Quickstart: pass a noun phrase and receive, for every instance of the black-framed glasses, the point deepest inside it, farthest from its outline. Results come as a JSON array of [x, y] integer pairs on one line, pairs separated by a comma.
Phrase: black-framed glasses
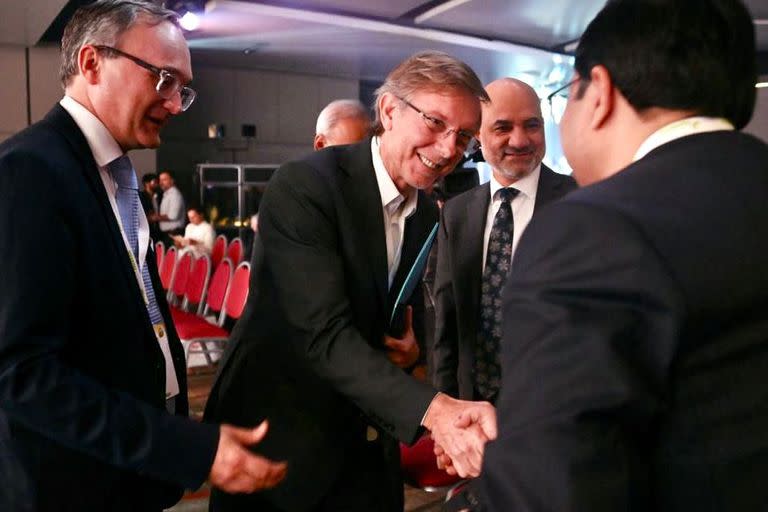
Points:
[[558, 99], [463, 137], [168, 84]]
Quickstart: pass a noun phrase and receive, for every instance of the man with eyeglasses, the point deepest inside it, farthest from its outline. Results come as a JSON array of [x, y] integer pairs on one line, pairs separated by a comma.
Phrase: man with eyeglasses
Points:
[[635, 341], [479, 231], [341, 230], [93, 397]]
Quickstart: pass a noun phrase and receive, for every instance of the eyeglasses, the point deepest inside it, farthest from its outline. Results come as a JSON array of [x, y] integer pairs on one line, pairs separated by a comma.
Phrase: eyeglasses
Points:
[[167, 84], [463, 137], [559, 99]]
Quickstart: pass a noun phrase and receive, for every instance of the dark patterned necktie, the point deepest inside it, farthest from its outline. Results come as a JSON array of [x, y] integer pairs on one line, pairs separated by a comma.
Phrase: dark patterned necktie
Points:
[[128, 204], [497, 262]]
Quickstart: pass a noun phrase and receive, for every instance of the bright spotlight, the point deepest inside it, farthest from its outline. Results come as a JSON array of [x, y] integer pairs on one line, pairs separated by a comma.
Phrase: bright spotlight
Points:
[[190, 21]]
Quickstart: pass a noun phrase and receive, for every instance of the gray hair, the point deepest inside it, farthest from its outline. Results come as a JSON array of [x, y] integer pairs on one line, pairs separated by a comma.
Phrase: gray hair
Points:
[[103, 23], [430, 71], [337, 110]]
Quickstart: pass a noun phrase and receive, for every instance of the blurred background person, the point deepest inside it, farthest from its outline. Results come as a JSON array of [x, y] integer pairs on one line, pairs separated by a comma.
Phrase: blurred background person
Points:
[[199, 235], [342, 122]]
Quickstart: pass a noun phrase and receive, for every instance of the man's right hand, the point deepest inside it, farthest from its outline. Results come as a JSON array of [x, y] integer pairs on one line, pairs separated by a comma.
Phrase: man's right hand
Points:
[[236, 469]]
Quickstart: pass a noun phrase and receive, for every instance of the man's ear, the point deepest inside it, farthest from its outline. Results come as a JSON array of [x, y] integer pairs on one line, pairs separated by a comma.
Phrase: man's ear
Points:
[[89, 63], [601, 96], [387, 104], [320, 141]]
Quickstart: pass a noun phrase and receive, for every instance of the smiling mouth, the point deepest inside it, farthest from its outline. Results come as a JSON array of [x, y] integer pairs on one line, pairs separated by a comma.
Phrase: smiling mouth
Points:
[[429, 163]]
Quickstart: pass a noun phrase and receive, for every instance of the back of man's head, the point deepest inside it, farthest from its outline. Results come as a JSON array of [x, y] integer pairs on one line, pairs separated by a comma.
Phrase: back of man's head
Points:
[[688, 55], [343, 121]]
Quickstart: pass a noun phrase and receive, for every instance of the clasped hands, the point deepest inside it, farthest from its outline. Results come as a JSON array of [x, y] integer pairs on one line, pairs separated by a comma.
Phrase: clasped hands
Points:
[[460, 430]]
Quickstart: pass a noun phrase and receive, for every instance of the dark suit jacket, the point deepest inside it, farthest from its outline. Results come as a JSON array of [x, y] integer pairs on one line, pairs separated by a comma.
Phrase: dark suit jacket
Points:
[[82, 377], [635, 353], [459, 275], [308, 351]]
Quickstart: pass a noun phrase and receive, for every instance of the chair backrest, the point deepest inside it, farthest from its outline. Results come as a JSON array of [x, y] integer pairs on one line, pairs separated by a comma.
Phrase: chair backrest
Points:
[[235, 251], [159, 253], [237, 295], [181, 275], [166, 271], [197, 284], [217, 292], [219, 248]]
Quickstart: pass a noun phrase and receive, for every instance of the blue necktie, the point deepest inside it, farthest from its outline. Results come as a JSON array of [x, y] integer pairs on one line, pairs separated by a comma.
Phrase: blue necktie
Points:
[[498, 259], [128, 204]]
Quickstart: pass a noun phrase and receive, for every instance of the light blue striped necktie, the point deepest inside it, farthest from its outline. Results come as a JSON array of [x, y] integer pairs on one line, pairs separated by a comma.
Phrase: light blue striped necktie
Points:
[[128, 204]]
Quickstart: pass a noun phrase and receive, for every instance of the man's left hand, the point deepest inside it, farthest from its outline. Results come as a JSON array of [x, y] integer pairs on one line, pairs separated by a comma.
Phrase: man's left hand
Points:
[[403, 352]]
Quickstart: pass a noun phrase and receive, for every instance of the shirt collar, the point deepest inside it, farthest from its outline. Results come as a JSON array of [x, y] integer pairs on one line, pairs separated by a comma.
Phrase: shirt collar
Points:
[[391, 198], [527, 185], [679, 129], [103, 145]]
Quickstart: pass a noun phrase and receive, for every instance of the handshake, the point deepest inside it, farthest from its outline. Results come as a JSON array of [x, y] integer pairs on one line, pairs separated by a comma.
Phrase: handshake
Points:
[[460, 430]]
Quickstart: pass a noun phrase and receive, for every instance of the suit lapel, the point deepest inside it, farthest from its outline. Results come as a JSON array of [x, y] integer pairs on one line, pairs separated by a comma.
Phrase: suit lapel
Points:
[[66, 126], [471, 250], [361, 192], [548, 189]]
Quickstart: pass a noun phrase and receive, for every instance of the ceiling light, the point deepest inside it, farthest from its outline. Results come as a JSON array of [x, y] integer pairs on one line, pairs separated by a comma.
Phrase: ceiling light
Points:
[[190, 21], [439, 9]]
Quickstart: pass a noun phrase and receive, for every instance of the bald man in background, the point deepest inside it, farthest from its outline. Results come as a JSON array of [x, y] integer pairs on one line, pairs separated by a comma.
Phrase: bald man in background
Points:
[[342, 122], [511, 136]]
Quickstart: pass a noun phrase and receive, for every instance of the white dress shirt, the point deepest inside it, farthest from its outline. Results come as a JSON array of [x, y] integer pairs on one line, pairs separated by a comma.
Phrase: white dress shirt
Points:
[[396, 208], [172, 206], [522, 207]]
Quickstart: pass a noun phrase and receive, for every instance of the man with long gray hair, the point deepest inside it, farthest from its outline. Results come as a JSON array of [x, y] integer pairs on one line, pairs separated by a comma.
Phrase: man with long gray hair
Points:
[[93, 396]]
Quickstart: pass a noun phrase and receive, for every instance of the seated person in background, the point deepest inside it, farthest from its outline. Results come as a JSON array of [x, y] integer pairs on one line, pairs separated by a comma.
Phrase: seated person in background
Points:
[[342, 122], [198, 235]]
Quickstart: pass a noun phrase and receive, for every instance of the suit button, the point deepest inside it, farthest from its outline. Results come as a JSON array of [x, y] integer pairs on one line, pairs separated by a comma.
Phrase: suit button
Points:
[[371, 434]]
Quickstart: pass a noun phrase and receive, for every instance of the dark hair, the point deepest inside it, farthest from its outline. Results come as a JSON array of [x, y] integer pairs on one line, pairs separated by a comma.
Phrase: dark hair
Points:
[[196, 208], [169, 173], [696, 55], [103, 22], [148, 177]]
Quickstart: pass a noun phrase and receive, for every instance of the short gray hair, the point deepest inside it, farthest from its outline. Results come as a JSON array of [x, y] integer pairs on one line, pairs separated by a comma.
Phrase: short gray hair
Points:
[[103, 23], [337, 110], [429, 71]]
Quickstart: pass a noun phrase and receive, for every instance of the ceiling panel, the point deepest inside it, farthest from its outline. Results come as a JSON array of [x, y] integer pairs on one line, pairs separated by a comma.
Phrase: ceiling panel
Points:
[[542, 24], [381, 9]]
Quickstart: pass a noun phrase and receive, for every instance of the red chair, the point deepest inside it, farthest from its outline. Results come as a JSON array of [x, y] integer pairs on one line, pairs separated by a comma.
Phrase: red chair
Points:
[[197, 285], [227, 295], [169, 265], [180, 278], [217, 253], [235, 251], [159, 253], [419, 467]]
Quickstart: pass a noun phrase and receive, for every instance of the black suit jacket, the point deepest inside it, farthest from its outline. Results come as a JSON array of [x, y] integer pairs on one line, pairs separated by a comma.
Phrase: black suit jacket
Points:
[[459, 275], [82, 418], [308, 352], [636, 348]]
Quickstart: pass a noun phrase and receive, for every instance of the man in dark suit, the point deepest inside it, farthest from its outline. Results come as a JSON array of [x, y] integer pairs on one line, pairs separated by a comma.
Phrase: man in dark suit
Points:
[[89, 365], [341, 229], [635, 337], [512, 141]]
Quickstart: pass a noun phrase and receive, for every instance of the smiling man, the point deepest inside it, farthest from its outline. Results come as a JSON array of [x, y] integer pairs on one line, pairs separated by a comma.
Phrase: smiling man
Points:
[[93, 393], [479, 231], [340, 231]]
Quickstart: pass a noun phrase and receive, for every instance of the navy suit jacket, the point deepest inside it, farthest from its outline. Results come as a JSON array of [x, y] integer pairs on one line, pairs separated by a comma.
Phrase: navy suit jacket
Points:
[[459, 275], [635, 352], [82, 378]]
